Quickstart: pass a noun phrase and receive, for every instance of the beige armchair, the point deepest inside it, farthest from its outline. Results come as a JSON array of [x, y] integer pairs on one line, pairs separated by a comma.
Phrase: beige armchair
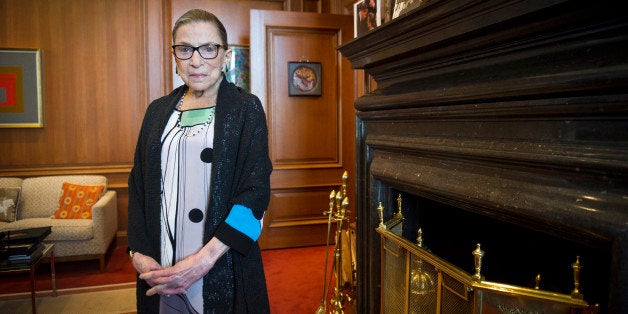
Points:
[[75, 239]]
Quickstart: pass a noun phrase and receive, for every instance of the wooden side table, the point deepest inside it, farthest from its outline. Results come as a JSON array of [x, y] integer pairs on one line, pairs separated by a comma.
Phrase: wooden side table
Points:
[[49, 251]]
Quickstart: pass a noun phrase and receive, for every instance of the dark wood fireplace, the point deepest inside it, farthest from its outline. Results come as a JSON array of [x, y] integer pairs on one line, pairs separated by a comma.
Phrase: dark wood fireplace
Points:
[[512, 115]]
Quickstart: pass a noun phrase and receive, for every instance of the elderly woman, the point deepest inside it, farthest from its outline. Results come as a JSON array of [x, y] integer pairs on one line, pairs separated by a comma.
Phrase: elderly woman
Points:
[[200, 185]]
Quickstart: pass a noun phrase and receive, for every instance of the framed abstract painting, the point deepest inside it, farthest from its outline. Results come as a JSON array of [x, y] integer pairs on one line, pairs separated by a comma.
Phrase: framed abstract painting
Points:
[[20, 88]]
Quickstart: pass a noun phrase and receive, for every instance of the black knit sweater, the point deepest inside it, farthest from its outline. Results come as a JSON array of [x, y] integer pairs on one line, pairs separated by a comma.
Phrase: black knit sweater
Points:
[[240, 175]]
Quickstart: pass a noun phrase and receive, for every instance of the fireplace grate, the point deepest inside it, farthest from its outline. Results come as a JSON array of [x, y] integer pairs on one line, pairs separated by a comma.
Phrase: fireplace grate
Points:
[[394, 270], [416, 281]]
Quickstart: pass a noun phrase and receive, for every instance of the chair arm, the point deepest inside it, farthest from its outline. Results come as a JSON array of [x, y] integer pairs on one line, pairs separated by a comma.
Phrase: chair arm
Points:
[[105, 219]]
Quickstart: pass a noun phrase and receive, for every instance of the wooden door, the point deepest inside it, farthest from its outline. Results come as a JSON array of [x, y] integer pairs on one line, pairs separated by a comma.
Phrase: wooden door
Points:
[[311, 138]]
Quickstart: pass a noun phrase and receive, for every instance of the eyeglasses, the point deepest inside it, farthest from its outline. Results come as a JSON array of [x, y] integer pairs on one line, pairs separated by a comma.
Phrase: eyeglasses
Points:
[[184, 52]]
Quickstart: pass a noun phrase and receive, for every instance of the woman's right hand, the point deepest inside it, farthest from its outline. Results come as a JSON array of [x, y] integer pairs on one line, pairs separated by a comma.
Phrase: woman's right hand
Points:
[[143, 263]]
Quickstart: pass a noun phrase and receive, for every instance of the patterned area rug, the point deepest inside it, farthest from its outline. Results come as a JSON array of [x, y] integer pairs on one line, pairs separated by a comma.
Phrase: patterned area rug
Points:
[[113, 299]]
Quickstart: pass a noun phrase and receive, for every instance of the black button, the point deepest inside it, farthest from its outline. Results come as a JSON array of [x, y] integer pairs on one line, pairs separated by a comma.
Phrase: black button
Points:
[[207, 155], [195, 215]]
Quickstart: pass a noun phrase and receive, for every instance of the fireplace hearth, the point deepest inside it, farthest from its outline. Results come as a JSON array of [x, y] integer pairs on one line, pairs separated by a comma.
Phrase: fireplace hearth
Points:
[[500, 122]]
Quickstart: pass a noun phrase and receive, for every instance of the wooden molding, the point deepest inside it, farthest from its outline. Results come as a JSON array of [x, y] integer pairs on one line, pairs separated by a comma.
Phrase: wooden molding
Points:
[[65, 170]]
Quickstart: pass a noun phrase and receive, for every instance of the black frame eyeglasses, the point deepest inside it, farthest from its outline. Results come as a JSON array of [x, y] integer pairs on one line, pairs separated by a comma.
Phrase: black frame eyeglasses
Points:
[[185, 52]]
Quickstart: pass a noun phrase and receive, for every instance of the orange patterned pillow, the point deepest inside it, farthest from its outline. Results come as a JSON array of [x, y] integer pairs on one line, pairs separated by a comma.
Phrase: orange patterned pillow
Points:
[[76, 201]]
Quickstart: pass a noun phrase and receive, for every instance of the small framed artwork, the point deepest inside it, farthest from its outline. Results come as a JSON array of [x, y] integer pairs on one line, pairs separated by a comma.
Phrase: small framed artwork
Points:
[[20, 89], [385, 10], [404, 6], [239, 71], [304, 79], [365, 16]]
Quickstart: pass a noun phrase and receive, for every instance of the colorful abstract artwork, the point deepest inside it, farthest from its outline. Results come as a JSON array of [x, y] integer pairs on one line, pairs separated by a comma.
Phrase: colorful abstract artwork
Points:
[[20, 89], [239, 71]]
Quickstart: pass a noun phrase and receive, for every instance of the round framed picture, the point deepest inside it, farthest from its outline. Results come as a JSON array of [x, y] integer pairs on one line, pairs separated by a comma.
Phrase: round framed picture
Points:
[[304, 78]]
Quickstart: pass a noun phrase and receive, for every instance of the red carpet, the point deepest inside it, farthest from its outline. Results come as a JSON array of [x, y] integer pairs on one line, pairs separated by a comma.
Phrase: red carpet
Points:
[[294, 277]]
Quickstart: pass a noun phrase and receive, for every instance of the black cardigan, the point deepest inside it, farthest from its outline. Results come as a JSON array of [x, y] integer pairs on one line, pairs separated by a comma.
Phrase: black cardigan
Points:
[[240, 175]]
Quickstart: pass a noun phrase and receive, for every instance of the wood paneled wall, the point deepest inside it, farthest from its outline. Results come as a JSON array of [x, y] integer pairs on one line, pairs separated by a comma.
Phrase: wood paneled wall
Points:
[[94, 82], [103, 61]]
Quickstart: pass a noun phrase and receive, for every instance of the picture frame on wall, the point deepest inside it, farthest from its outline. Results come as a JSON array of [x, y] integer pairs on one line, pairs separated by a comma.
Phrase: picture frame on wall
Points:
[[20, 88], [304, 78], [239, 70]]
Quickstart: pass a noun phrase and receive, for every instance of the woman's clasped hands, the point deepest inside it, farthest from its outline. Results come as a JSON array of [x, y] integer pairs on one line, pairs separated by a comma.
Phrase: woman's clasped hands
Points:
[[179, 277], [175, 279]]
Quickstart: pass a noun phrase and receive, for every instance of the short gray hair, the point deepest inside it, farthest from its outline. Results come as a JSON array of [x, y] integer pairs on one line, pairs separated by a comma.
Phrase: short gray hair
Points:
[[197, 16]]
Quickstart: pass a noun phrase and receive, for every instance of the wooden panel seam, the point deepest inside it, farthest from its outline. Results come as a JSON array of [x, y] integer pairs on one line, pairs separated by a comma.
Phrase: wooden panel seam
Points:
[[296, 223]]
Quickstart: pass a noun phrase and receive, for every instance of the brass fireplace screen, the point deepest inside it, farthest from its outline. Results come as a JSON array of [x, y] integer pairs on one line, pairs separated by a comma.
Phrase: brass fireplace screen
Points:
[[416, 281]]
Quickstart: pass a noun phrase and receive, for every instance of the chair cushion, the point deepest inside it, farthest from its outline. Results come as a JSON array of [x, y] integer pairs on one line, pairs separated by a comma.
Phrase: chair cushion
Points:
[[76, 201], [62, 229]]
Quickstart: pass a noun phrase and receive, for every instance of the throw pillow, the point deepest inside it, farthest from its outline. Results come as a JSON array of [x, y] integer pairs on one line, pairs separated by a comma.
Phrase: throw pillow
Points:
[[9, 198], [76, 201]]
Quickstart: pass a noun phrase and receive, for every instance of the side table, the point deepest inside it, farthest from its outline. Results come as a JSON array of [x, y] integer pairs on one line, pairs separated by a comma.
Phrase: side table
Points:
[[49, 251]]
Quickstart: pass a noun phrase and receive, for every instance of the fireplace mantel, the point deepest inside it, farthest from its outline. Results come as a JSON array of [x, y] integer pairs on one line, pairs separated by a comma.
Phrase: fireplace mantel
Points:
[[515, 110]]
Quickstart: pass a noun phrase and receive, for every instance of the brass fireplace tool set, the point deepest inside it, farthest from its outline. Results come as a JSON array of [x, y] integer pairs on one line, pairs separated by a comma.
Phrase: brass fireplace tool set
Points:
[[338, 213], [426, 289]]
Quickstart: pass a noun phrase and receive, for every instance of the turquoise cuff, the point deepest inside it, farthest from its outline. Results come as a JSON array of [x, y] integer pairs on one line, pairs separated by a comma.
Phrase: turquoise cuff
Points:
[[241, 218]]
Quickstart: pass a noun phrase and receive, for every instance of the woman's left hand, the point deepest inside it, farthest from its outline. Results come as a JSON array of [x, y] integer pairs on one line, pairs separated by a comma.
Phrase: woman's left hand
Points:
[[179, 277]]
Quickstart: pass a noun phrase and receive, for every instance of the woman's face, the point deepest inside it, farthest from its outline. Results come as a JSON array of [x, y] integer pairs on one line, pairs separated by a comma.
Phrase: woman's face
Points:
[[198, 73]]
